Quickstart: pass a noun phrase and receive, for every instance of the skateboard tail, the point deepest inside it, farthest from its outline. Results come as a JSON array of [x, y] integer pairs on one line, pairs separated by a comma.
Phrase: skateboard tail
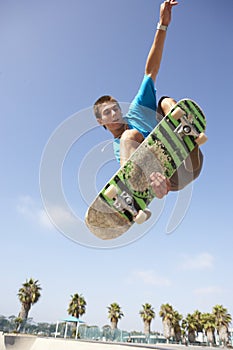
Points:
[[104, 222]]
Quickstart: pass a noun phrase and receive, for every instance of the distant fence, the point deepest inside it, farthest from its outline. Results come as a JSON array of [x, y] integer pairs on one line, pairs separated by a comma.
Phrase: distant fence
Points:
[[86, 332]]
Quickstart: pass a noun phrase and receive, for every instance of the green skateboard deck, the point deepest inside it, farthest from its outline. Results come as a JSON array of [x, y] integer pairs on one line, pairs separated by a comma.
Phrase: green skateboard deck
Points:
[[125, 198]]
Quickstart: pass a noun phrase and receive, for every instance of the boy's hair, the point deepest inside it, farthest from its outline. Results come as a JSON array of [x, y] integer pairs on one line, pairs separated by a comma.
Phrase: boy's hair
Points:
[[100, 101]]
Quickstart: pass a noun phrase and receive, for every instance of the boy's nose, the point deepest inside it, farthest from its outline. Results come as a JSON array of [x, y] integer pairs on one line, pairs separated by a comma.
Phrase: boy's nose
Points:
[[113, 114]]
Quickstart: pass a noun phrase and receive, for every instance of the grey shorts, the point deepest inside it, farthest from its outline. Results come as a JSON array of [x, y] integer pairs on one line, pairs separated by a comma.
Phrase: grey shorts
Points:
[[188, 171]]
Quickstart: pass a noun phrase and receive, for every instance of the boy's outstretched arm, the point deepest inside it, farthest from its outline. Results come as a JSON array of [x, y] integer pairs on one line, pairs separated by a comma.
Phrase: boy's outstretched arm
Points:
[[156, 51]]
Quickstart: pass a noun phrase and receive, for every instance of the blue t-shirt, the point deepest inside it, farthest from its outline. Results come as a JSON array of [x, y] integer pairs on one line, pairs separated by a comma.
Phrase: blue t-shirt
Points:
[[142, 112]]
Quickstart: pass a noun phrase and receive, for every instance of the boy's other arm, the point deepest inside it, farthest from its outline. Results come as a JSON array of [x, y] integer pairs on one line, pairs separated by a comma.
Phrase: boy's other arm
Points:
[[155, 55]]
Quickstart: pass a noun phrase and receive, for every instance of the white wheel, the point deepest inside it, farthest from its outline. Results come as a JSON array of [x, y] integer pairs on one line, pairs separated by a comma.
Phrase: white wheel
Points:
[[201, 139], [141, 217], [148, 213], [177, 113], [111, 192]]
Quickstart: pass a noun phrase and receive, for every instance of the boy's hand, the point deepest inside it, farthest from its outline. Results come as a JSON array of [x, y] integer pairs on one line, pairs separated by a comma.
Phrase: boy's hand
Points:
[[160, 184], [165, 11]]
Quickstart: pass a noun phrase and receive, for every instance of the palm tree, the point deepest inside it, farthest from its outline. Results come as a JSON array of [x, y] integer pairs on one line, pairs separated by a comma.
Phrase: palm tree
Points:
[[190, 324], [115, 314], [147, 314], [175, 326], [166, 312], [222, 321], [209, 325], [77, 305], [197, 317], [28, 295]]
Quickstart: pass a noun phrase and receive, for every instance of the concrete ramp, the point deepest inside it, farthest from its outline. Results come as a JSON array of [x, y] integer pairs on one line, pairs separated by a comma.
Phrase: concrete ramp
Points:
[[2, 346], [18, 342], [24, 342]]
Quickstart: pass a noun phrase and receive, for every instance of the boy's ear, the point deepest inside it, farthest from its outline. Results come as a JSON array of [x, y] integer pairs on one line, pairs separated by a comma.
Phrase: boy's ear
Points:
[[100, 121]]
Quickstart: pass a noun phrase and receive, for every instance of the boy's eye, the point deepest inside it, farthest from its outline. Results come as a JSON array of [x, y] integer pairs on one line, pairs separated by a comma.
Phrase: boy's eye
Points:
[[107, 111]]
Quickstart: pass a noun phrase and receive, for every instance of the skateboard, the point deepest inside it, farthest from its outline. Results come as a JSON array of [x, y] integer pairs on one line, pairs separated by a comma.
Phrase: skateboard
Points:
[[125, 198]]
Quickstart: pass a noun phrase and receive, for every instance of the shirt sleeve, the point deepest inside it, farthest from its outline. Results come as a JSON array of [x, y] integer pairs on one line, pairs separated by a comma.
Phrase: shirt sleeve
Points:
[[116, 149]]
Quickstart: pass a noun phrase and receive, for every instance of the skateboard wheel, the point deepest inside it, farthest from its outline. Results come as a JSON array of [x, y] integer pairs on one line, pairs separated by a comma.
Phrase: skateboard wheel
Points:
[[201, 139], [111, 192], [148, 213], [177, 113], [141, 217]]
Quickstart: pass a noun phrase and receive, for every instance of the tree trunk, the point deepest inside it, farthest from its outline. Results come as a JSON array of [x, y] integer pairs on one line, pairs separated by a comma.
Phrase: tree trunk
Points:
[[191, 337], [167, 329], [173, 333], [210, 337], [23, 315], [178, 335], [223, 335], [146, 327], [114, 323]]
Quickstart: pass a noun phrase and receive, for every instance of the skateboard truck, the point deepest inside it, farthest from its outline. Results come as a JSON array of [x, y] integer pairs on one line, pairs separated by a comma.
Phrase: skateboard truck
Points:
[[124, 201], [185, 128]]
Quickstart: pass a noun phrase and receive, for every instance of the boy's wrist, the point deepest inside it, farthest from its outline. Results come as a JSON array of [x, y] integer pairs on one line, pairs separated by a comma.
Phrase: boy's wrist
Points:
[[161, 27]]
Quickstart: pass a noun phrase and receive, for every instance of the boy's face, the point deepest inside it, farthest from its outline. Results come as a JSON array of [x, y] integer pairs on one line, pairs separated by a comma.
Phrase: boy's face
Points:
[[111, 116]]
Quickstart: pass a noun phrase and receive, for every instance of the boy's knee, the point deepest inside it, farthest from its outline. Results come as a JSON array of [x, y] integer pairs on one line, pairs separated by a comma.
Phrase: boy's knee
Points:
[[130, 140], [132, 135], [165, 105]]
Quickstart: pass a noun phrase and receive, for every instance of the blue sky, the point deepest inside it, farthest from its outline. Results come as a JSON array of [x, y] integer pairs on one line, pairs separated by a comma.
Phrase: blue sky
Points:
[[56, 59]]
